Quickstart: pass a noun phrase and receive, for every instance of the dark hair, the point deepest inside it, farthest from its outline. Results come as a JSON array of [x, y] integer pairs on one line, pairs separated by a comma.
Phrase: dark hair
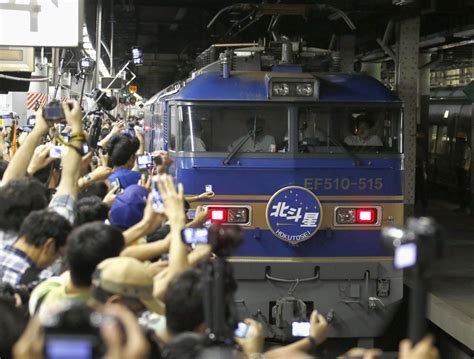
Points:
[[13, 322], [44, 174], [7, 293], [98, 189], [120, 148], [87, 246], [3, 167], [91, 209], [184, 299], [186, 345], [38, 226], [18, 198], [184, 302]]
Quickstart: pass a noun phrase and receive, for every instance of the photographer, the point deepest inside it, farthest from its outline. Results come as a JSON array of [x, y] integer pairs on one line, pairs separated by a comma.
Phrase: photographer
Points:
[[122, 151]]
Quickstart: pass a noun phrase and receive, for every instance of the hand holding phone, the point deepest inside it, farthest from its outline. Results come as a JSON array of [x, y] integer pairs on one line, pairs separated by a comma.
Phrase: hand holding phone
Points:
[[242, 330], [144, 162], [158, 204], [194, 236], [56, 152]]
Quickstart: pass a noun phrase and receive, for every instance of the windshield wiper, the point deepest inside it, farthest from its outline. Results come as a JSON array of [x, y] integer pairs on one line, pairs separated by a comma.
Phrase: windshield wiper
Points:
[[238, 147], [356, 161]]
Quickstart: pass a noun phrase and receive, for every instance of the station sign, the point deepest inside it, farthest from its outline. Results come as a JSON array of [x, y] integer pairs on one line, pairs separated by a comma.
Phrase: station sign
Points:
[[41, 23]]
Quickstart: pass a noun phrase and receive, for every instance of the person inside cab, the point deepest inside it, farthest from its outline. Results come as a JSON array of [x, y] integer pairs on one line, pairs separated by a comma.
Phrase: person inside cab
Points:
[[363, 135], [193, 141], [255, 140]]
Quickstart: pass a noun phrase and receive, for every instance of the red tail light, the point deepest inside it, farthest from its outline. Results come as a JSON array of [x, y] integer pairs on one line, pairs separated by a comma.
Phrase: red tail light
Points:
[[218, 215], [366, 215]]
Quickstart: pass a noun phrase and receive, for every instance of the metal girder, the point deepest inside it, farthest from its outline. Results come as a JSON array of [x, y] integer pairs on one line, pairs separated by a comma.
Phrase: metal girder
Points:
[[408, 91]]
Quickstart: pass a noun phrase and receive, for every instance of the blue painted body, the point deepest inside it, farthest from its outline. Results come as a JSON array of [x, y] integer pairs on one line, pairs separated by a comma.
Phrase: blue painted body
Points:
[[252, 177]]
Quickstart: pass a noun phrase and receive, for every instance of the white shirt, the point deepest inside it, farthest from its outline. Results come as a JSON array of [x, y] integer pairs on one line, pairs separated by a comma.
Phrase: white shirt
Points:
[[199, 145], [372, 140], [266, 143]]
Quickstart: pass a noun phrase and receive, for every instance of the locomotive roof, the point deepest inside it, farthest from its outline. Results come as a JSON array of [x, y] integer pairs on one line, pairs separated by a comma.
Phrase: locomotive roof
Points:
[[253, 86]]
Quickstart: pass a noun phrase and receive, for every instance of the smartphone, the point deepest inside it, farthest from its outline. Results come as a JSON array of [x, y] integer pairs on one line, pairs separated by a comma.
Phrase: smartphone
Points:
[[144, 162], [405, 256], [116, 183], [85, 148], [62, 346], [157, 160], [56, 152], [158, 205], [300, 329], [242, 330], [193, 236]]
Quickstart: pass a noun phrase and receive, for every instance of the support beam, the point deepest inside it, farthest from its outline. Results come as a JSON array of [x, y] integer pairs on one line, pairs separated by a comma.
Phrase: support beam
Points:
[[408, 90], [347, 51]]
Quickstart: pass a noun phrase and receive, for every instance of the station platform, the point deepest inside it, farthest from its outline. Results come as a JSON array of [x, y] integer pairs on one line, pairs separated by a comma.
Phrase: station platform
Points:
[[450, 301]]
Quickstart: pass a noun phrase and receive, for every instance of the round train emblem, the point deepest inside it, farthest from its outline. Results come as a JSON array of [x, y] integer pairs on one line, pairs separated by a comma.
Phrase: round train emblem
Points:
[[294, 214]]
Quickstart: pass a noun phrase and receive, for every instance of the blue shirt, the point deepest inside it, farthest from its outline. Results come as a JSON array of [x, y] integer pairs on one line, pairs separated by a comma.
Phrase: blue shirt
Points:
[[126, 177]]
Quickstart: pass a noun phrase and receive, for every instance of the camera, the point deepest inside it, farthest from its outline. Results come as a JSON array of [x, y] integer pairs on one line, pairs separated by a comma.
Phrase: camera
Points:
[[86, 65], [419, 243], [105, 102], [300, 329], [75, 329], [194, 236], [144, 162], [53, 111]]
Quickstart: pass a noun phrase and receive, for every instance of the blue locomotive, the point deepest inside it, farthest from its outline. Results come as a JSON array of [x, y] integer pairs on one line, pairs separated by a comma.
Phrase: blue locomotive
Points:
[[310, 164]]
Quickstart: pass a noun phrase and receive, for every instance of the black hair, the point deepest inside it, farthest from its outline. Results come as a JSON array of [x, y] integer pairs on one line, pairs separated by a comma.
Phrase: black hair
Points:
[[41, 225], [98, 189], [186, 345], [91, 209], [18, 198], [7, 293], [3, 167], [184, 298], [87, 246], [44, 174], [121, 148], [13, 322]]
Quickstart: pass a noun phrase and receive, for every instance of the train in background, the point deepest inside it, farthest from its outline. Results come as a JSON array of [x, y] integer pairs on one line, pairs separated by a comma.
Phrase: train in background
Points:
[[310, 164], [450, 116]]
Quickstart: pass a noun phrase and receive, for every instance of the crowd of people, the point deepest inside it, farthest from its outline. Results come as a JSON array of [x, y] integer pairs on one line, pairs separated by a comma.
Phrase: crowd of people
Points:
[[89, 268]]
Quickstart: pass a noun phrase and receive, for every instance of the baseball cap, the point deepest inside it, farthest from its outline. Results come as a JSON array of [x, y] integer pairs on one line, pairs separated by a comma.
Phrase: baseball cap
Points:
[[128, 207], [128, 277]]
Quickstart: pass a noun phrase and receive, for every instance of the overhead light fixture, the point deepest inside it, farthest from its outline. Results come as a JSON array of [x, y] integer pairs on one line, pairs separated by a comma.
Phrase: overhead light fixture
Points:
[[402, 2]]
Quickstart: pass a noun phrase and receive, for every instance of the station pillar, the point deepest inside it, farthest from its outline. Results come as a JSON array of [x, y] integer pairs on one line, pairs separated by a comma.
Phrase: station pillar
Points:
[[347, 52], [408, 90]]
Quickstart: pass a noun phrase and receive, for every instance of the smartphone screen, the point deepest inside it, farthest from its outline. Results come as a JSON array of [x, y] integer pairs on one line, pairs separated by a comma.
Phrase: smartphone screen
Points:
[[85, 148], [242, 330], [72, 348], [405, 256], [193, 236], [300, 329], [55, 152], [116, 183], [158, 205], [144, 162]]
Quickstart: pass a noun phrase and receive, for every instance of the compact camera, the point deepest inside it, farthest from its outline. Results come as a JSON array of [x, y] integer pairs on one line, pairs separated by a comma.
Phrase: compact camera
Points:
[[53, 111]]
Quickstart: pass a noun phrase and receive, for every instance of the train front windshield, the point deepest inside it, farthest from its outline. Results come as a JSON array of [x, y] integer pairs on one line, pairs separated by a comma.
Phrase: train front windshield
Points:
[[266, 129]]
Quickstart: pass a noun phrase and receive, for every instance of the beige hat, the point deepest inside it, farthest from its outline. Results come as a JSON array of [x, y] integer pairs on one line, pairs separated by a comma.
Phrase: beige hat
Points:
[[127, 277]]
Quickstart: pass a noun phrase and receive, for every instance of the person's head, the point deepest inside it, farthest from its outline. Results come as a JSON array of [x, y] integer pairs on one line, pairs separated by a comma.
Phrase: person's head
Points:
[[46, 231], [257, 124], [128, 207], [184, 300], [18, 198], [98, 189], [91, 209], [13, 322], [187, 345], [362, 125], [126, 281], [3, 167], [18, 296], [87, 246], [121, 149]]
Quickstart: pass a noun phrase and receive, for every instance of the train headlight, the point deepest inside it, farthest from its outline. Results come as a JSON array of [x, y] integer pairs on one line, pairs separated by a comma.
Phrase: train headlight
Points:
[[240, 215], [280, 89], [358, 215], [304, 89]]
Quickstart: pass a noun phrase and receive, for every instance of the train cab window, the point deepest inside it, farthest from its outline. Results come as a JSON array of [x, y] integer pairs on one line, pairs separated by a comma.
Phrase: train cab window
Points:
[[225, 128], [332, 130]]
